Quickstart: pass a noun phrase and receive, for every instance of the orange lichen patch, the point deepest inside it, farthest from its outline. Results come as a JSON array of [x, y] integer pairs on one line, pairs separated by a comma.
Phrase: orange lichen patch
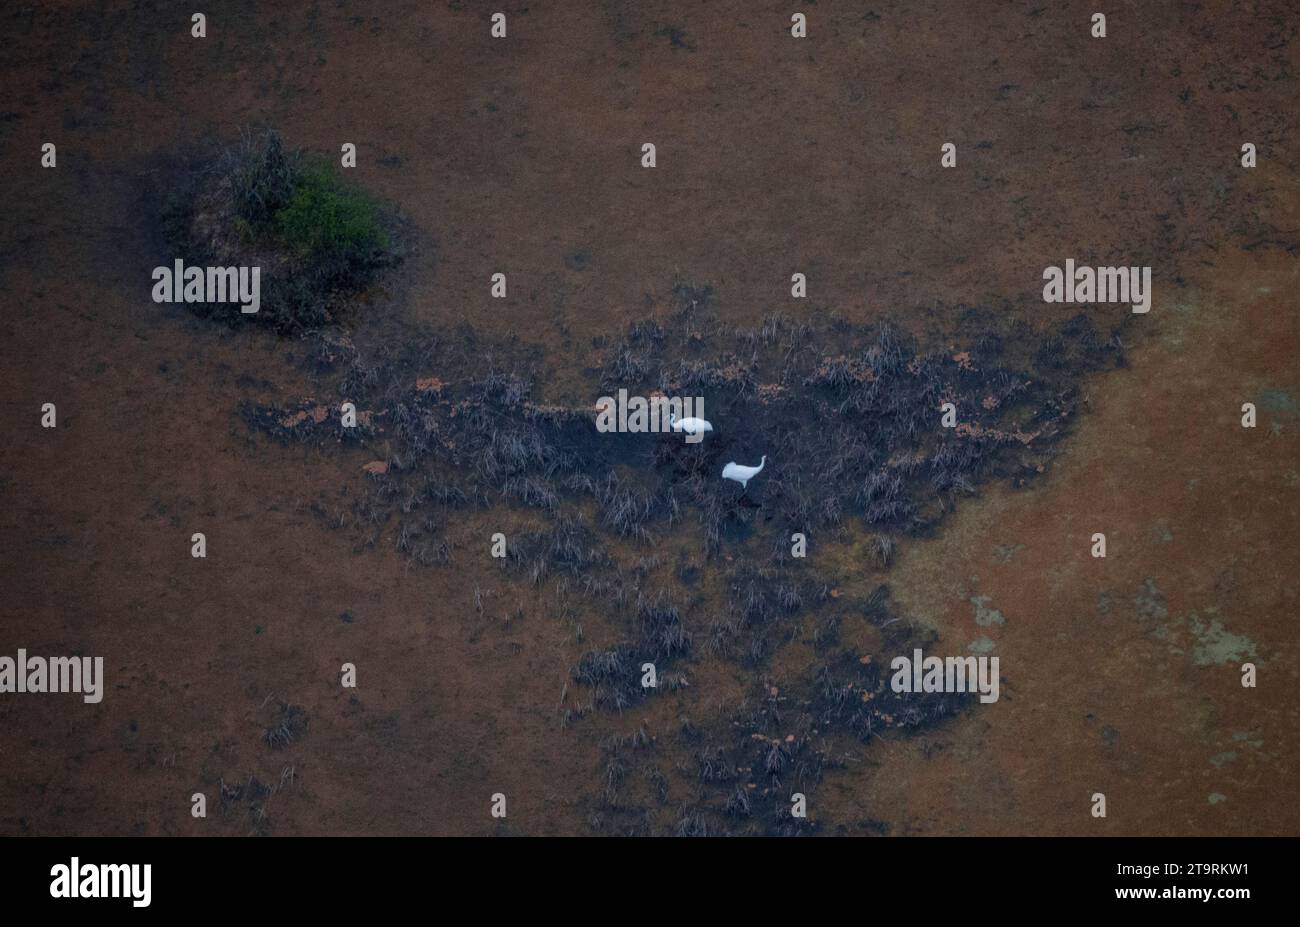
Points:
[[859, 371], [865, 658], [963, 360], [317, 414], [835, 593], [334, 348], [429, 385], [733, 372], [533, 408], [376, 467], [966, 430], [906, 457]]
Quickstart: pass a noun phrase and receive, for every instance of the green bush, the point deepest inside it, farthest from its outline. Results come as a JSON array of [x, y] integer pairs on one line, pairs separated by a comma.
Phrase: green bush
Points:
[[332, 225], [317, 236]]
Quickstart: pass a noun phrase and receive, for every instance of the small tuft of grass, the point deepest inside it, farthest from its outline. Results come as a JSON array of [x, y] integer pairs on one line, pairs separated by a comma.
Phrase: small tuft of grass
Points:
[[263, 175], [288, 725]]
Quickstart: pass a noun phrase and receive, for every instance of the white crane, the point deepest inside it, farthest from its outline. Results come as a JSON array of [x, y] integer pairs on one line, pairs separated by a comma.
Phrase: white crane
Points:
[[742, 474], [692, 426]]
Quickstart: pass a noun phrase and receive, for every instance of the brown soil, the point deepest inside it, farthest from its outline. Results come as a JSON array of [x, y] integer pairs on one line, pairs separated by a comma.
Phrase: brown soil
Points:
[[775, 155]]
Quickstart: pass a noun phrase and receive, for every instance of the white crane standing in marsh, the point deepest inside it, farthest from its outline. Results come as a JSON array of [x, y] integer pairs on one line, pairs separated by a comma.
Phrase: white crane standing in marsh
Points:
[[692, 426], [742, 474]]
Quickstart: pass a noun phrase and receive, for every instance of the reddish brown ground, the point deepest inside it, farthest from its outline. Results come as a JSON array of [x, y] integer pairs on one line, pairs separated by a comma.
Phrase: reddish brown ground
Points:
[[775, 155]]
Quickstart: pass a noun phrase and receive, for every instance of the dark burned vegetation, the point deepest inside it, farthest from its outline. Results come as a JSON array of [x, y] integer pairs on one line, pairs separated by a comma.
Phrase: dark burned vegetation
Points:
[[852, 436], [318, 238], [849, 420], [744, 766]]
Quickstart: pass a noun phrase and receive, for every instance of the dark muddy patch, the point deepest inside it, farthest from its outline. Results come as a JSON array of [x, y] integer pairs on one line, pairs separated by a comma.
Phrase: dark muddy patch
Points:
[[850, 419]]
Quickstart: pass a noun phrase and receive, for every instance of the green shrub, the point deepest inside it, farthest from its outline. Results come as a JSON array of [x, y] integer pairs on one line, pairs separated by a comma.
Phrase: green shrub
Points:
[[332, 225], [317, 236]]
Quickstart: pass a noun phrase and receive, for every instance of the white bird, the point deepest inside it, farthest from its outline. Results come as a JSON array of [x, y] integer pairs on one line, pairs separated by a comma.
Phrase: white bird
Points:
[[742, 474], [691, 426]]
